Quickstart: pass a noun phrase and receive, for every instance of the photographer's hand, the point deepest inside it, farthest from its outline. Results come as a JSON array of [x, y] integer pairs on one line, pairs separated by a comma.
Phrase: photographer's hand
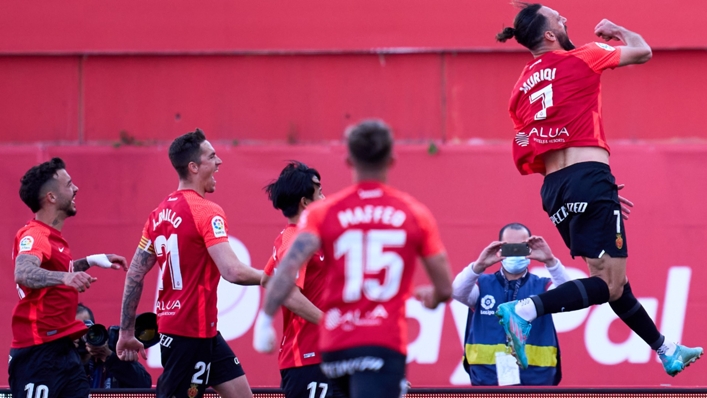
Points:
[[539, 250], [100, 353], [488, 257]]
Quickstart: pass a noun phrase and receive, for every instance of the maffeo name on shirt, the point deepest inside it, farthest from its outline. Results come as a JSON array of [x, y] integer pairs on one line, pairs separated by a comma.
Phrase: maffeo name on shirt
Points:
[[387, 215]]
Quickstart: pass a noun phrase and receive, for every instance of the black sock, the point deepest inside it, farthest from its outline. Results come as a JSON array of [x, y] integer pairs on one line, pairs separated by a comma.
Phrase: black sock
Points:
[[572, 295], [635, 317]]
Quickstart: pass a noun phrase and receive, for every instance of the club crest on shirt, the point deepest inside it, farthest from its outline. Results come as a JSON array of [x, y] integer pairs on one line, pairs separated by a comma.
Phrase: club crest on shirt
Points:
[[219, 227], [619, 241], [605, 46], [192, 391], [26, 243]]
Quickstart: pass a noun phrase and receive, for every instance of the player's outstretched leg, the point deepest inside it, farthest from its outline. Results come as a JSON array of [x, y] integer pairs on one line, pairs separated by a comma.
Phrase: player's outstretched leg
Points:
[[517, 330], [681, 358]]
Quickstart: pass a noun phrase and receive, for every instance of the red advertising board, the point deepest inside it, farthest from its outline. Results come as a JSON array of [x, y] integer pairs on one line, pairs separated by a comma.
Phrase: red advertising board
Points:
[[226, 26], [472, 191]]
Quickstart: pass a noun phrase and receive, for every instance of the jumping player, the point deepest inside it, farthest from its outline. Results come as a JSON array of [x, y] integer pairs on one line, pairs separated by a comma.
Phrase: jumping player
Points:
[[556, 111]]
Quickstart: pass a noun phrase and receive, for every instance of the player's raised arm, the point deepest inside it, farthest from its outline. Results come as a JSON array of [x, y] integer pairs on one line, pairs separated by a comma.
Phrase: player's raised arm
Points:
[[636, 50], [231, 267]]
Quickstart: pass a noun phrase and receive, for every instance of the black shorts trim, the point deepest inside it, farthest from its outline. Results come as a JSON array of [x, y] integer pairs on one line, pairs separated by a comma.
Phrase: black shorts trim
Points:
[[582, 201], [193, 364], [54, 367], [303, 381], [366, 372]]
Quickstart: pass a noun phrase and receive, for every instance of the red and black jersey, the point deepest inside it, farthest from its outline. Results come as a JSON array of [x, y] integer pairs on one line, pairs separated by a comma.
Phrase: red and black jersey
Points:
[[371, 236], [179, 232], [46, 314], [556, 103], [300, 338]]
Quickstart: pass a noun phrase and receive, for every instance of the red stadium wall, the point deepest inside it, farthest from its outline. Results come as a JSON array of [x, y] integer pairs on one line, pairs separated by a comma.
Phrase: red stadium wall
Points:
[[225, 26], [270, 70], [311, 98], [472, 190]]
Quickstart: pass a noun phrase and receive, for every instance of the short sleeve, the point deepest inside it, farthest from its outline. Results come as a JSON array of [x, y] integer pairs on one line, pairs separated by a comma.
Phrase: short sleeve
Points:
[[211, 222], [145, 241], [299, 281], [599, 56], [431, 243], [311, 219], [269, 269], [35, 241]]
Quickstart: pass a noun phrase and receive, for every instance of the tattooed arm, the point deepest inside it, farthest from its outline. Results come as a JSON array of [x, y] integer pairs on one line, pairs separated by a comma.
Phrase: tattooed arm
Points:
[[141, 264], [29, 273], [280, 285], [81, 264], [128, 345]]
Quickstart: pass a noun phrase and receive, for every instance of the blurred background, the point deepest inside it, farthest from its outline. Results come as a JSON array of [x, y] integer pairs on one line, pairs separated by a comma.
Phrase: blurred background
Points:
[[106, 85]]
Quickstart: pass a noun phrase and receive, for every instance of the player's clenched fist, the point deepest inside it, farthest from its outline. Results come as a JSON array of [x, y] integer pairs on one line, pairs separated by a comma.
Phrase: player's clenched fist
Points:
[[608, 30], [426, 294], [129, 347], [79, 280]]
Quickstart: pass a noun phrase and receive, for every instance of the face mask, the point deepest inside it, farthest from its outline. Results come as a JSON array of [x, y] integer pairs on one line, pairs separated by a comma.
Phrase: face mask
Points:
[[515, 265]]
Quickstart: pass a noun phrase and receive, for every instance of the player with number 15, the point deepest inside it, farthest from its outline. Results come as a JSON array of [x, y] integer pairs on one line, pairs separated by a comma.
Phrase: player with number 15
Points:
[[371, 236]]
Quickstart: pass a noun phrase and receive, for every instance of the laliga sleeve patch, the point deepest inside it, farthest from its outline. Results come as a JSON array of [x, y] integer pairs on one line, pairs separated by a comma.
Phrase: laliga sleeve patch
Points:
[[605, 46], [26, 244], [219, 227]]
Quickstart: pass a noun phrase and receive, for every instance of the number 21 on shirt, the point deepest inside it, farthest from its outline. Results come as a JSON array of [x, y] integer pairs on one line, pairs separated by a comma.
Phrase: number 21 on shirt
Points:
[[364, 252], [169, 248]]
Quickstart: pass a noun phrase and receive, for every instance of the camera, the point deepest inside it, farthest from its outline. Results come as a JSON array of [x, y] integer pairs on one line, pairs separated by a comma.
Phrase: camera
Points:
[[515, 249], [97, 334]]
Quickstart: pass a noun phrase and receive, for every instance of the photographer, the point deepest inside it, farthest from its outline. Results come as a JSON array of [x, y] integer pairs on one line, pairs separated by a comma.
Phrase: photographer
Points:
[[485, 359], [103, 368]]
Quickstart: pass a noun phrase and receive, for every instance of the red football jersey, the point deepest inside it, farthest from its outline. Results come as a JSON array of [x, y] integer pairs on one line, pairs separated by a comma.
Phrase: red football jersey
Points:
[[44, 315], [556, 103], [371, 236], [179, 231], [300, 338]]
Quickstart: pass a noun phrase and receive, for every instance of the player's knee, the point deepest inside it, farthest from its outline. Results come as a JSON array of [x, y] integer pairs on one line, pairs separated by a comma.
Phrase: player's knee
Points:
[[616, 290]]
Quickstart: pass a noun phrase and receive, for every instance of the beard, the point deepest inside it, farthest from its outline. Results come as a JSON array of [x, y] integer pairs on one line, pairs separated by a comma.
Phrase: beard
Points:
[[67, 208], [564, 40]]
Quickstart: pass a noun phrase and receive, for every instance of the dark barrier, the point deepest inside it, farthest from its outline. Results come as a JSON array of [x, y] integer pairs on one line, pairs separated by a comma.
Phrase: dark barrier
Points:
[[497, 392]]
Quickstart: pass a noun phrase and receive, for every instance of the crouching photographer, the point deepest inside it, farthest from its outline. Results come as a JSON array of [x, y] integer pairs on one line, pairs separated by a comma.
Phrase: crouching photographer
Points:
[[97, 350]]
